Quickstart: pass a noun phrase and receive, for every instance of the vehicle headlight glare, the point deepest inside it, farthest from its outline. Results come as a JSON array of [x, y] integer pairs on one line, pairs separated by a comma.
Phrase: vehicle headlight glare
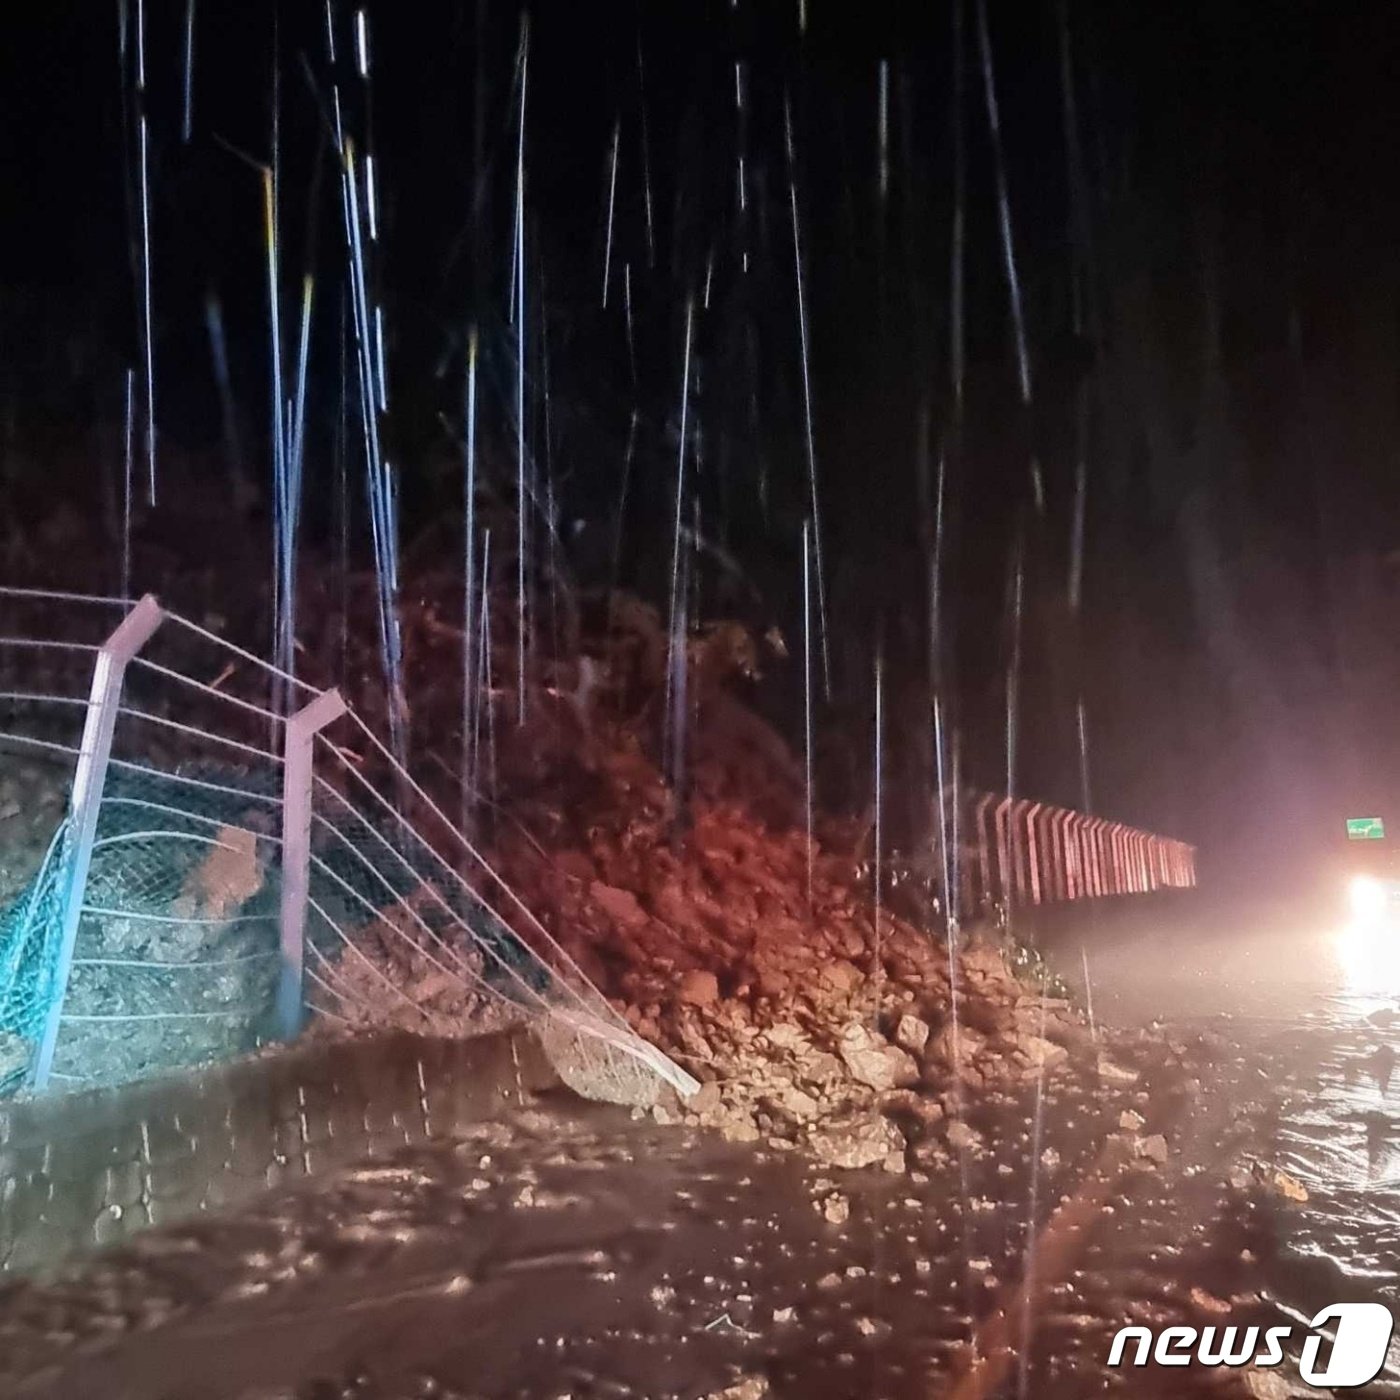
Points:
[[1367, 897]]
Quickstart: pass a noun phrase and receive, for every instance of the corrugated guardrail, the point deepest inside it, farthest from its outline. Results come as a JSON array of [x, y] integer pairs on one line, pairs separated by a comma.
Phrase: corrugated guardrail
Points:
[[1021, 852]]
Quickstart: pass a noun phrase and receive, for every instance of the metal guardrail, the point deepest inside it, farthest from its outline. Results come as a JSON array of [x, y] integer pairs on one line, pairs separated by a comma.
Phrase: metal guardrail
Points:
[[1026, 852]]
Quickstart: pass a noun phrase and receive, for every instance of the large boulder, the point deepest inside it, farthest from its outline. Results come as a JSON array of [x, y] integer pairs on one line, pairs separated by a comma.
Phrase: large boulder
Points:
[[873, 1062]]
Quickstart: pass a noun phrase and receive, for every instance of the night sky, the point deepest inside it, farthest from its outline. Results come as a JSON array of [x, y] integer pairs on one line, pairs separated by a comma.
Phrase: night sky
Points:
[[1210, 308]]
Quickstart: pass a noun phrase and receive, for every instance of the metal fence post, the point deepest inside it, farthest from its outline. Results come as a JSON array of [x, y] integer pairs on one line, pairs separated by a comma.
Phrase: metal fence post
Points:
[[1059, 853], [89, 778], [1080, 832], [1069, 856], [1069, 843], [298, 742], [1018, 851], [1115, 858], [1090, 837], [1001, 821], [1050, 829], [984, 848], [1034, 854]]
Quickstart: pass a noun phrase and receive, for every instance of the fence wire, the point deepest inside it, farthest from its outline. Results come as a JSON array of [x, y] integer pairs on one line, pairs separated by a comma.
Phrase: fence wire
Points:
[[179, 935]]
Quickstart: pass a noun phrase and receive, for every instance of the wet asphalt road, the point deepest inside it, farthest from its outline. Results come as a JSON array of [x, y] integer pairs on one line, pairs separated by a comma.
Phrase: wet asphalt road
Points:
[[1306, 1000], [575, 1252]]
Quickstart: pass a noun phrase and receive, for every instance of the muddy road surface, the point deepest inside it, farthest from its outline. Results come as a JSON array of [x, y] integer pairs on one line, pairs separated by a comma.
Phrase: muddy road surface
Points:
[[1238, 1164]]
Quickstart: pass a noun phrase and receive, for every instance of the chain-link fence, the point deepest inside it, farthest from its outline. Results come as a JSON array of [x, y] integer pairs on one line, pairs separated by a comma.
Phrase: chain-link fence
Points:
[[49, 646], [233, 852]]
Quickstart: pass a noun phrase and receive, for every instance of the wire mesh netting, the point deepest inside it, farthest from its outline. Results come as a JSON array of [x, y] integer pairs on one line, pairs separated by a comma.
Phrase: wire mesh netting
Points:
[[409, 926], [178, 928], [28, 956], [175, 959], [48, 647]]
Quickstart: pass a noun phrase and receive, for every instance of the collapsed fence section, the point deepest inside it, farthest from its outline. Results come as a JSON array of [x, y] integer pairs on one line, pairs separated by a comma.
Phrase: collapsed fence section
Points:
[[409, 925], [222, 868], [148, 939]]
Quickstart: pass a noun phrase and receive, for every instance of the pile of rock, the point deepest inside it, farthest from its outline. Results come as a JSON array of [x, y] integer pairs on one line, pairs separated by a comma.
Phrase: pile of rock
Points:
[[805, 1028], [751, 958]]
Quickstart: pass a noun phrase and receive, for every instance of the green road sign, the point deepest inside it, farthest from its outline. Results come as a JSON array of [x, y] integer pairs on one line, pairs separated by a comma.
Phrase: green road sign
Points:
[[1365, 829]]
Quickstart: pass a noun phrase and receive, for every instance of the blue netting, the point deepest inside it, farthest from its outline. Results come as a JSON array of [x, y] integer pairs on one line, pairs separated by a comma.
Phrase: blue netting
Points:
[[177, 953], [175, 956], [29, 938]]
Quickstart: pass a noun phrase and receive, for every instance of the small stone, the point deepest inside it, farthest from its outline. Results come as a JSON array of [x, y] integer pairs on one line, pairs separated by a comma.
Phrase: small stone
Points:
[[912, 1103], [1264, 1385], [1116, 1074], [705, 1100], [1289, 1187], [739, 1127], [784, 1314], [792, 1103], [619, 905], [854, 1143], [1153, 1148], [1131, 1121], [843, 976], [698, 988], [835, 1208], [1208, 1303], [911, 1034], [961, 1137], [750, 1388], [1044, 1055]]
